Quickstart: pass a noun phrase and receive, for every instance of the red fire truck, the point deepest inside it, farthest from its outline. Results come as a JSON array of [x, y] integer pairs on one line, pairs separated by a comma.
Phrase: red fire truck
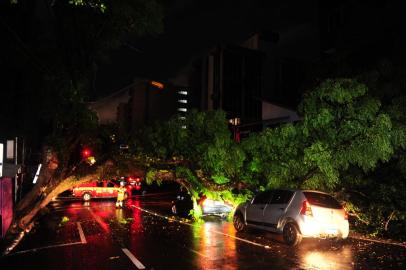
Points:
[[106, 188]]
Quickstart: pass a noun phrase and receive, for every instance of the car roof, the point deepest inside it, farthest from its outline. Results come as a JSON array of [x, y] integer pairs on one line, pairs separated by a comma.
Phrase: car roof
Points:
[[315, 191]]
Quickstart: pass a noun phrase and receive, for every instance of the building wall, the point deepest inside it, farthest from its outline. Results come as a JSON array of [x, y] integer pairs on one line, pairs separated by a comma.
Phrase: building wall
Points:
[[233, 76], [149, 104], [137, 105], [272, 111], [107, 108]]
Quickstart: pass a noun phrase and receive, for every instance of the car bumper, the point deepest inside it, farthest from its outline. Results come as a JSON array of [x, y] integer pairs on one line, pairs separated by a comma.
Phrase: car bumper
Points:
[[313, 228], [216, 210]]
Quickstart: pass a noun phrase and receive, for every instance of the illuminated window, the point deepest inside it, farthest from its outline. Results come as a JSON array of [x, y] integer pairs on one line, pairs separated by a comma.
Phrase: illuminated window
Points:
[[182, 101], [184, 127], [182, 118], [182, 109], [182, 93]]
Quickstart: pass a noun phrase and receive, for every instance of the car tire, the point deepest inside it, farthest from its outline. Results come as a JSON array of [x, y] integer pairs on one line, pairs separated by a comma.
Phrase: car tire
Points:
[[291, 234], [174, 210], [238, 222], [87, 197]]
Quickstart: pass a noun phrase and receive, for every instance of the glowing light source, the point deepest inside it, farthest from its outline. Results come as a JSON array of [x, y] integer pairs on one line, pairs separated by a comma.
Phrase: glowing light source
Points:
[[182, 93], [86, 153], [87, 156], [331, 260], [182, 109], [182, 101], [157, 84], [37, 174], [235, 121], [91, 160]]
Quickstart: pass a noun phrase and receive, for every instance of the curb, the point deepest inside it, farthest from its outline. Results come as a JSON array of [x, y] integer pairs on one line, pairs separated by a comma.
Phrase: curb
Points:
[[357, 236]]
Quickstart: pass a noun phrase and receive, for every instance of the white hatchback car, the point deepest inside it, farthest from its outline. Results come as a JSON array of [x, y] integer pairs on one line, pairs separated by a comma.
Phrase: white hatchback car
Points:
[[295, 214]]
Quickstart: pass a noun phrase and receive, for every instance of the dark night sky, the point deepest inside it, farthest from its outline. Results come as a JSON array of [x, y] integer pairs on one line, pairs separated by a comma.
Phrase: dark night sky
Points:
[[191, 27], [374, 30]]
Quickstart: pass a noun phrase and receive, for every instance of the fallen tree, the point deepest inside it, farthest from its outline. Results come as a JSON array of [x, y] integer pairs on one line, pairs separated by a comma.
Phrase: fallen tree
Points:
[[343, 129]]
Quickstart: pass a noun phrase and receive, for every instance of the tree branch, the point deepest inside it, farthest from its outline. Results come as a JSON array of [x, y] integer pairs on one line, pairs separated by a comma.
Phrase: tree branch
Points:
[[392, 214]]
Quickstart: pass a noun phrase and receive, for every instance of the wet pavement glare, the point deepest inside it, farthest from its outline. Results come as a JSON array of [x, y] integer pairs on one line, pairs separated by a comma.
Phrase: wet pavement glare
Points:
[[160, 241]]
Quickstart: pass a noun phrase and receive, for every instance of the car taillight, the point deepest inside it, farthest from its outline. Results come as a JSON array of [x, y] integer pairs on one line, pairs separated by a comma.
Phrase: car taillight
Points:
[[306, 209]]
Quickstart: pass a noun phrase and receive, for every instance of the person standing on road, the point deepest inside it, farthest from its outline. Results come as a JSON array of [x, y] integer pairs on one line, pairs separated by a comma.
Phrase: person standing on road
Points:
[[120, 195]]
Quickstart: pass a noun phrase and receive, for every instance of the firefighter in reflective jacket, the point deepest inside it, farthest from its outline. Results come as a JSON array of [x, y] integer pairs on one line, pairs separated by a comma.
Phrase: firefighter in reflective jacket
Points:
[[120, 195]]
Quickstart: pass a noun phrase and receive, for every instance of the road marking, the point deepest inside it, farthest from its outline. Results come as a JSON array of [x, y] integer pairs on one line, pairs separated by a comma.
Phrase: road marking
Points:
[[82, 242], [198, 253], [241, 239], [135, 261], [102, 224], [191, 225], [46, 247], [81, 234]]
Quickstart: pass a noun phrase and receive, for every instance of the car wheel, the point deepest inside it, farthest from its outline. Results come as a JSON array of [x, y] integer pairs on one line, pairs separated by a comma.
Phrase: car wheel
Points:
[[291, 234], [87, 197], [174, 210], [238, 222]]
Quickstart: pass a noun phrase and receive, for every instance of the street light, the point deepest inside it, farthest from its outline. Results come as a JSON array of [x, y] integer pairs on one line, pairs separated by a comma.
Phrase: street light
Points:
[[87, 156]]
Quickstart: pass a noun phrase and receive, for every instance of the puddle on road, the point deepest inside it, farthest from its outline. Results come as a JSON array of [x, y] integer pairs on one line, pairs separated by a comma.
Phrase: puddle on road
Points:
[[214, 249], [214, 244], [340, 259]]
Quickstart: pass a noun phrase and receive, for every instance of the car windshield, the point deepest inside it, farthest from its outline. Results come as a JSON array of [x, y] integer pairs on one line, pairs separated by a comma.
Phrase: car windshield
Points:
[[323, 200]]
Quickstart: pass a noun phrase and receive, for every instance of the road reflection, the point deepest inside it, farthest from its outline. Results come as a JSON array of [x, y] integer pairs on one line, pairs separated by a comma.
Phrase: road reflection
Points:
[[136, 225], [214, 245], [211, 244], [335, 258], [216, 248]]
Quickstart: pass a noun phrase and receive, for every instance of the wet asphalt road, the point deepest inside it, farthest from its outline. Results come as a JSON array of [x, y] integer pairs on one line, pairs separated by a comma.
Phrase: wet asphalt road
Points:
[[96, 235]]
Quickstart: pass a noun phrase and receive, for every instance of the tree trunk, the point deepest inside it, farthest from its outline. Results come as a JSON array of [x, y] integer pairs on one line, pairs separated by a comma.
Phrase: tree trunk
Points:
[[45, 198], [49, 185]]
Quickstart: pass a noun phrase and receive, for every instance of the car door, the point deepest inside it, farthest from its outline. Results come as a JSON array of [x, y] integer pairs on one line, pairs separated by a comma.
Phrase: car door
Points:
[[111, 189], [276, 208], [255, 210]]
